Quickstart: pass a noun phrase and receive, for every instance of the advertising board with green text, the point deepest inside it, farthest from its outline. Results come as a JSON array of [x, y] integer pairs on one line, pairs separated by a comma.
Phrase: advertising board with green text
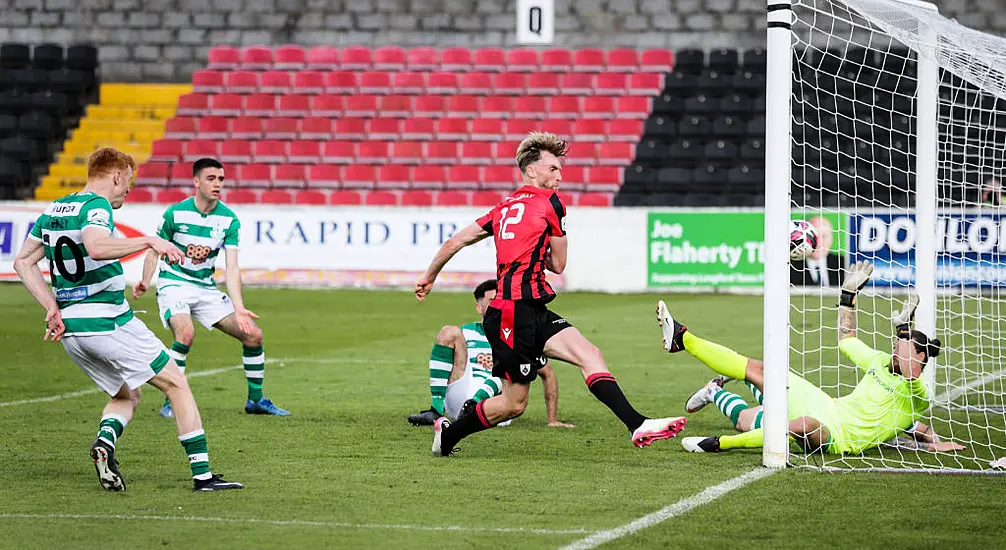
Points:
[[717, 249]]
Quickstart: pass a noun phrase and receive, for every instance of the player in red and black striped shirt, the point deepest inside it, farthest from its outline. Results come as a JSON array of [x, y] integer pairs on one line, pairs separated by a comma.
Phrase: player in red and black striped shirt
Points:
[[529, 230]]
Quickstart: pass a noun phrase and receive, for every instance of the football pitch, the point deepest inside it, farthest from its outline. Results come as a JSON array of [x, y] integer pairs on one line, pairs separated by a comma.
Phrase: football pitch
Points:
[[346, 470]]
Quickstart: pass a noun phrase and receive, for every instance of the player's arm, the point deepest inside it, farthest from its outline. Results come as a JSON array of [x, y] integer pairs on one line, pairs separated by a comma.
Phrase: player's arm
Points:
[[466, 237], [556, 259], [930, 440], [26, 267], [550, 385], [101, 245], [149, 266], [233, 280], [855, 280]]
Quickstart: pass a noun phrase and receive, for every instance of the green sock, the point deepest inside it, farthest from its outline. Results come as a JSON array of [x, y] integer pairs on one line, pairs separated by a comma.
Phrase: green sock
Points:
[[490, 387], [723, 360], [110, 428], [730, 404], [746, 440], [178, 352], [441, 363], [756, 393], [199, 458], [254, 361]]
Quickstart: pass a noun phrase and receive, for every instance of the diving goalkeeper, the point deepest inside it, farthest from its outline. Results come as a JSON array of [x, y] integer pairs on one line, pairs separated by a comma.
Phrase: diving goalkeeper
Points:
[[889, 399]]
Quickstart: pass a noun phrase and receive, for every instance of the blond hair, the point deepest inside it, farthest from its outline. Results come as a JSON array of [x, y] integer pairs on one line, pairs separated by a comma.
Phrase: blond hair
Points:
[[529, 150], [106, 160]]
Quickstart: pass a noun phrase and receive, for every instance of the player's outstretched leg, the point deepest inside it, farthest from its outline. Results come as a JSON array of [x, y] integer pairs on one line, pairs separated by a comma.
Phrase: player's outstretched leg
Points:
[[114, 418], [746, 440], [724, 361], [705, 395]]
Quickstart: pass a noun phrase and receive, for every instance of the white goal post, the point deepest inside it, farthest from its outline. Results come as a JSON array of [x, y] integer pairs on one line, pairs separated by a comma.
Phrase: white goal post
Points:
[[886, 122]]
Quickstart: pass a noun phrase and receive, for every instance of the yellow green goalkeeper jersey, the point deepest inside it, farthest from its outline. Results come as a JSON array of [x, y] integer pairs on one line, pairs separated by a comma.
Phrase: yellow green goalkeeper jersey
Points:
[[883, 404], [200, 237]]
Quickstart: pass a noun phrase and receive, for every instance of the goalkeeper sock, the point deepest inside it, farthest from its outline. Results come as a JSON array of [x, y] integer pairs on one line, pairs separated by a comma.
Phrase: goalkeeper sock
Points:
[[178, 352], [441, 363], [746, 440], [756, 393], [111, 427], [490, 387], [199, 459], [730, 404], [723, 360], [254, 363], [606, 390]]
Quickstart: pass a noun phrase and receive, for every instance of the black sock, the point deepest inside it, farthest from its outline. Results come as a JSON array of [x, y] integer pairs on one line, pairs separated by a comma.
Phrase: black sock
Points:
[[606, 390], [465, 426]]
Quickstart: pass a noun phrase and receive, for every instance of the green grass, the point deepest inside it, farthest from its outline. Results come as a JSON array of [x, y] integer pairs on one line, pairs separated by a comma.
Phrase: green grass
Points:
[[350, 365]]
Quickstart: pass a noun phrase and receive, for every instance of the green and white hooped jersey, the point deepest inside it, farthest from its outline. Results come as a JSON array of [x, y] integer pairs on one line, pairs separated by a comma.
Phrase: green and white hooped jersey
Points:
[[480, 353], [200, 237], [89, 292]]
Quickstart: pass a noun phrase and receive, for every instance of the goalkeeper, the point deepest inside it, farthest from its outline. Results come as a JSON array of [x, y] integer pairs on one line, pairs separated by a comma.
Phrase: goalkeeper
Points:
[[889, 399]]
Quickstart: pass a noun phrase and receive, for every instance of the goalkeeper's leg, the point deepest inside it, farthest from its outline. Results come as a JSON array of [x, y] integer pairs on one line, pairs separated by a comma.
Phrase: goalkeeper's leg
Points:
[[808, 432]]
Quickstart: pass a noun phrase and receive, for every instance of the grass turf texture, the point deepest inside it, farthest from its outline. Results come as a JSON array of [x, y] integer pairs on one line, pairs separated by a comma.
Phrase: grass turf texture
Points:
[[350, 365]]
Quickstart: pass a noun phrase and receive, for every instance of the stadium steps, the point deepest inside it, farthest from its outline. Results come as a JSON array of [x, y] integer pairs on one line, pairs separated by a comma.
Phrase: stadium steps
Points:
[[129, 117]]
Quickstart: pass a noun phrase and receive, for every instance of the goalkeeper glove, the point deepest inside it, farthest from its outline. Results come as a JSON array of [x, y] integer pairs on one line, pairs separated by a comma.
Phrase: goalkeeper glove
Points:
[[855, 280], [903, 320]]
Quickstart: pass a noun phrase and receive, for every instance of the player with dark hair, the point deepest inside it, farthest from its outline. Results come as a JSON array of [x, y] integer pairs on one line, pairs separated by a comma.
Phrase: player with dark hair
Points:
[[529, 231], [461, 370], [200, 226], [889, 399]]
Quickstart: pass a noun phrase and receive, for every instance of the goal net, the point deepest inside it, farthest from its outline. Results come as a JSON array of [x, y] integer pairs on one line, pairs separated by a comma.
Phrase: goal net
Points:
[[898, 133]]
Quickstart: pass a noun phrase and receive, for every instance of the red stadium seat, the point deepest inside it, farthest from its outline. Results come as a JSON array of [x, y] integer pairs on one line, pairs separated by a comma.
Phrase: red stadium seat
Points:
[[573, 177], [236, 151], [381, 198], [633, 107], [208, 81], [193, 105], [487, 129], [442, 83], [429, 177], [338, 152], [269, 151], [276, 196], [418, 128], [361, 106], [498, 106], [408, 83], [213, 127], [180, 175], [559, 60], [623, 60], [510, 84], [463, 106], [223, 58], [304, 152], [604, 179], [393, 176], [293, 105], [451, 129], [345, 198], [598, 107], [486, 198], [141, 195], [453, 198], [199, 148], [241, 82], [589, 60], [322, 58], [507, 150], [341, 82], [180, 128], [456, 59], [289, 58], [310, 197], [423, 59], [153, 173], [583, 154], [319, 128], [354, 128], [490, 59], [263, 105], [373, 152], [328, 105], [327, 176], [648, 84], [543, 84], [564, 106], [576, 83], [477, 152], [500, 176], [258, 58], [170, 196], [516, 129], [417, 198], [358, 176], [614, 153], [476, 83], [375, 82], [384, 128], [561, 128], [281, 128], [308, 82], [522, 60], [390, 58], [658, 61], [611, 84], [241, 196], [595, 199], [432, 106], [625, 130], [395, 106], [441, 152], [356, 58], [568, 197], [253, 175], [588, 129], [530, 107], [275, 82], [247, 128], [289, 175], [408, 152], [226, 104], [460, 176]]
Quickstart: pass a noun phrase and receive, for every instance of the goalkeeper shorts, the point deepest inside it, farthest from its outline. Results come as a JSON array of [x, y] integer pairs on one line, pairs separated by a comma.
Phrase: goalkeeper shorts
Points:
[[806, 399]]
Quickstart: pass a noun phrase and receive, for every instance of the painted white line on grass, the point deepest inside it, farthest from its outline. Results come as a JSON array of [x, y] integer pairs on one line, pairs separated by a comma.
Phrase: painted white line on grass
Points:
[[678, 508], [305, 523]]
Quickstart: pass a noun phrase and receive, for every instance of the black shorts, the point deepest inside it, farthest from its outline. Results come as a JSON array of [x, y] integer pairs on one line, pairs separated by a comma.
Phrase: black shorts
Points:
[[517, 332]]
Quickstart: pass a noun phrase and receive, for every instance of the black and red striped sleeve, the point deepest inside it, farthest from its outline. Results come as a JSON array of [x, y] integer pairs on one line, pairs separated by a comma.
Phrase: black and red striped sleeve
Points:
[[486, 222], [556, 215]]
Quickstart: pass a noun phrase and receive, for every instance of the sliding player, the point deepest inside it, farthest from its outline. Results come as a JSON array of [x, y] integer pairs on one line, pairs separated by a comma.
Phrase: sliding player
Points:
[[889, 399]]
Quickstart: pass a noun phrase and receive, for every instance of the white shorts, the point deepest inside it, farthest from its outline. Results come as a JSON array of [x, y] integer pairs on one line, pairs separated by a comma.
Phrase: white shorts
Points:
[[129, 355], [206, 305], [461, 390]]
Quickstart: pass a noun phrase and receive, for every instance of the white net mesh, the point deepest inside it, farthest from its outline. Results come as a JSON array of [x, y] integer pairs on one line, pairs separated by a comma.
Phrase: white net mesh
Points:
[[855, 117]]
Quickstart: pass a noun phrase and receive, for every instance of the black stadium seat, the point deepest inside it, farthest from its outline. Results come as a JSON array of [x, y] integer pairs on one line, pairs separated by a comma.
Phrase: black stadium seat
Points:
[[15, 56], [47, 57], [82, 57]]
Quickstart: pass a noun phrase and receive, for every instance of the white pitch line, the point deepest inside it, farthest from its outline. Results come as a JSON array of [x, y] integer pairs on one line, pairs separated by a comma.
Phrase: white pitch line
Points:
[[305, 523], [680, 507]]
